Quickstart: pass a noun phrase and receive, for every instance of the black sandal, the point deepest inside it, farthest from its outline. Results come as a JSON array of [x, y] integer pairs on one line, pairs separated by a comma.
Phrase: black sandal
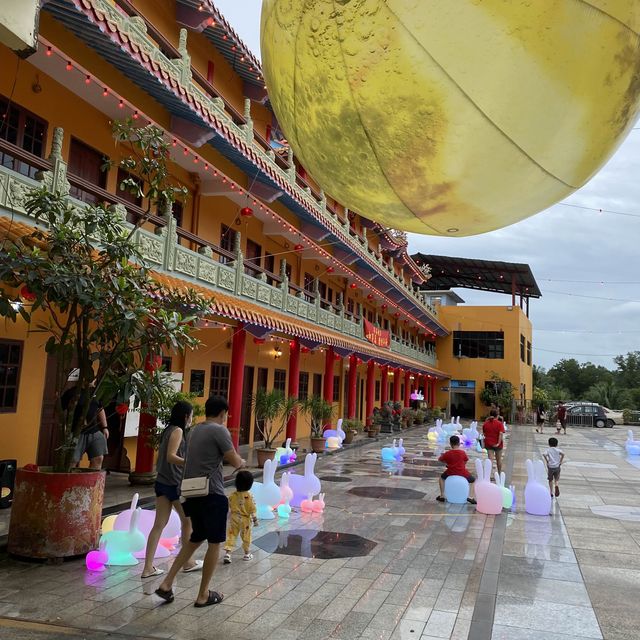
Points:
[[214, 598], [167, 596], [471, 501], [440, 498]]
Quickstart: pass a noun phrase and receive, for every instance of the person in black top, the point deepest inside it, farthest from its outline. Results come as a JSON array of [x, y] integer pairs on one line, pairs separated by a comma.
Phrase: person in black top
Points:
[[93, 437]]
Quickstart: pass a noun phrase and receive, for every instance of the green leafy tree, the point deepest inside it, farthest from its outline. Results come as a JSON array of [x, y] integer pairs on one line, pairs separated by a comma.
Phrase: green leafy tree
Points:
[[608, 394], [92, 294], [498, 391], [541, 398], [628, 370]]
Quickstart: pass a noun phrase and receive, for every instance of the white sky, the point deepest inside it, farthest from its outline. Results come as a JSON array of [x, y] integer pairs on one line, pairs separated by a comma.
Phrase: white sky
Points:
[[562, 243]]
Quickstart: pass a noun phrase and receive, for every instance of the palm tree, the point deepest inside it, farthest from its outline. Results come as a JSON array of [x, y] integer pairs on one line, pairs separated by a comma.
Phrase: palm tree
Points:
[[608, 394], [319, 411], [272, 410]]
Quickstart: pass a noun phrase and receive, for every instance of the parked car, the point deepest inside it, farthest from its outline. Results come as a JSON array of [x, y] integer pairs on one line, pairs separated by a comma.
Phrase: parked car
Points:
[[587, 414], [614, 415]]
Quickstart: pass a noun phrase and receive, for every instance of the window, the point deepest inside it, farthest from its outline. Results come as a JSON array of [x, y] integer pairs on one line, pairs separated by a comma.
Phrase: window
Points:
[[196, 382], [10, 364], [23, 129], [86, 162], [167, 361], [309, 287], [269, 266], [522, 348], [336, 389], [317, 384], [528, 353], [377, 396], [253, 256], [280, 379], [227, 241], [219, 383], [303, 386], [478, 344]]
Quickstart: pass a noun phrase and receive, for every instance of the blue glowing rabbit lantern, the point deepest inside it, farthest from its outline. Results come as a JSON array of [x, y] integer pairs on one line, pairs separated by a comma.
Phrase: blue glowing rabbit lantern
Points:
[[537, 500], [456, 489], [308, 484], [401, 450], [470, 434], [632, 446], [267, 493], [121, 545], [389, 454]]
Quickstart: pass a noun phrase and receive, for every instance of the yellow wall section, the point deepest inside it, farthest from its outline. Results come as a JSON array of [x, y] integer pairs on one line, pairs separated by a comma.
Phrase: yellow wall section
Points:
[[513, 322]]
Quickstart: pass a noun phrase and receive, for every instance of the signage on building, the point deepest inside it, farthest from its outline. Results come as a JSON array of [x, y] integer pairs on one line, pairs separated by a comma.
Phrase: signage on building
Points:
[[379, 337]]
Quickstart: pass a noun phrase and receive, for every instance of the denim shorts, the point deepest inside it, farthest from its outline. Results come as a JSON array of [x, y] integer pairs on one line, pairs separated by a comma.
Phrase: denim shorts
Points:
[[170, 491]]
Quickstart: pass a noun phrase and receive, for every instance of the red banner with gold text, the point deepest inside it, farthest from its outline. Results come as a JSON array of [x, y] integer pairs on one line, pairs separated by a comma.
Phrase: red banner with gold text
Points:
[[379, 337]]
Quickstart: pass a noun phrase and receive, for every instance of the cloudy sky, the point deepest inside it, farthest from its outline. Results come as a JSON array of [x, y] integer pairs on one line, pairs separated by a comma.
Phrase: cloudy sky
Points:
[[586, 263]]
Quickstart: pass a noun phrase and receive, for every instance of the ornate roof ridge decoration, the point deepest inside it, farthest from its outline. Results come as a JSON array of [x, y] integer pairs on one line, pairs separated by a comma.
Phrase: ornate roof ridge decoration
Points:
[[130, 35]]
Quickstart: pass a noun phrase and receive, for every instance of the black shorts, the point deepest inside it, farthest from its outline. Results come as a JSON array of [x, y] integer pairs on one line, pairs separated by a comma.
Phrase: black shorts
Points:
[[208, 518], [470, 479], [494, 449], [170, 491]]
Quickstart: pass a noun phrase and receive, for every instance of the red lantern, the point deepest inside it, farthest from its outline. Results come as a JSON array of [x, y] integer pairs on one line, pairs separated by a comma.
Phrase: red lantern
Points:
[[292, 344], [330, 269], [397, 314], [353, 285], [298, 247], [27, 294], [258, 341], [304, 349], [337, 356], [246, 212], [384, 306], [370, 296], [122, 409]]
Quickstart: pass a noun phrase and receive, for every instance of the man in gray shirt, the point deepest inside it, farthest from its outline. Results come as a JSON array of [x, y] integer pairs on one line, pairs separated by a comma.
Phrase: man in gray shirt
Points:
[[208, 446]]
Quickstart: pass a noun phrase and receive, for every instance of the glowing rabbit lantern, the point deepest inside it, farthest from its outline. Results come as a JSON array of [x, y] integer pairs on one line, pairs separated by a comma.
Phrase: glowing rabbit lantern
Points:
[[169, 534], [632, 446], [308, 484], [434, 433], [318, 505], [337, 434], [121, 545], [96, 560], [456, 489], [488, 496], [537, 500], [284, 508], [107, 523], [307, 504], [451, 428], [507, 496], [389, 454], [401, 450], [267, 493], [470, 434], [285, 455]]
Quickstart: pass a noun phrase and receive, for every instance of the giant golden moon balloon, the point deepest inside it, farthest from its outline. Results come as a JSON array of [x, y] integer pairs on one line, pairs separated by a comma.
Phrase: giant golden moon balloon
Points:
[[452, 117]]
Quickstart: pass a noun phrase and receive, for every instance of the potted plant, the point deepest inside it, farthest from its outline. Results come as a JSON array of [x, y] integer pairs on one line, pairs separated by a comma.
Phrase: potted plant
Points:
[[419, 417], [272, 410], [373, 426], [407, 417], [87, 288], [320, 413], [396, 412], [351, 428]]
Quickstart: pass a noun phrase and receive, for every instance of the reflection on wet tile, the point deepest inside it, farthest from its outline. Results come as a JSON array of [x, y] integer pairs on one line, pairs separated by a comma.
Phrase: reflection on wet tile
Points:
[[387, 493], [324, 545], [335, 479]]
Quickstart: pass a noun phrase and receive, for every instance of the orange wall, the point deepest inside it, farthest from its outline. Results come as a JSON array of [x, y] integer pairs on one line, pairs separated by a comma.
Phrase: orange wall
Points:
[[513, 322]]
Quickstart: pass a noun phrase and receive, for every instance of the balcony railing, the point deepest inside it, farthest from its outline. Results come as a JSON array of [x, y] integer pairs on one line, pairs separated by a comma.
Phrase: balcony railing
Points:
[[176, 63], [202, 262]]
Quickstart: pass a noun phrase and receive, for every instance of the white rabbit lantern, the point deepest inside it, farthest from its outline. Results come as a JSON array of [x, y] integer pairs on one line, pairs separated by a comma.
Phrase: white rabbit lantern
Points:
[[286, 495], [632, 446], [470, 434], [121, 545], [537, 499], [488, 496], [456, 489], [388, 454], [335, 433], [307, 484], [267, 494], [507, 496], [285, 455], [146, 520]]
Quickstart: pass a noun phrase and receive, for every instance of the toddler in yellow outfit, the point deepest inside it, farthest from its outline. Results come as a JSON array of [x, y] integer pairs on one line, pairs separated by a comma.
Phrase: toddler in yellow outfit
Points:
[[242, 513]]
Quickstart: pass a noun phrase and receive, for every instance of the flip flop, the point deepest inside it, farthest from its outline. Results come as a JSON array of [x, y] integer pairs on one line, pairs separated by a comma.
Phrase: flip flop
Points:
[[471, 501], [167, 596], [214, 598], [440, 498], [196, 567], [153, 574]]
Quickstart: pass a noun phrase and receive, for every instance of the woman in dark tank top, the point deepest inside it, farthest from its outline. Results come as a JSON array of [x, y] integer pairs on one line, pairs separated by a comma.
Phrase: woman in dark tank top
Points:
[[167, 487]]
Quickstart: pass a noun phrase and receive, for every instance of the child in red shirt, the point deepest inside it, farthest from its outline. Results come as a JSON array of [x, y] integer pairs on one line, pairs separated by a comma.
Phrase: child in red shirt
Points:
[[456, 461]]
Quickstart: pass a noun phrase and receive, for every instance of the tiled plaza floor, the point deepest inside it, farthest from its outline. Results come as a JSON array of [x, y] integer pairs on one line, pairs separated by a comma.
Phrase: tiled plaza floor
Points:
[[428, 570]]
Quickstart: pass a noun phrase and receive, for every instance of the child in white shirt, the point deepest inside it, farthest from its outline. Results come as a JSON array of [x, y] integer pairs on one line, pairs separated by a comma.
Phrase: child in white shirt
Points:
[[553, 457]]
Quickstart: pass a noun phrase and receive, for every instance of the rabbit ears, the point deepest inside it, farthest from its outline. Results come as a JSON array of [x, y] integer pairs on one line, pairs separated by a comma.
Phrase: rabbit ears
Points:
[[284, 480], [339, 425], [310, 463], [499, 478], [395, 443], [400, 442], [483, 470], [134, 501], [321, 497], [531, 474], [134, 518], [630, 434], [287, 444], [269, 470], [535, 471]]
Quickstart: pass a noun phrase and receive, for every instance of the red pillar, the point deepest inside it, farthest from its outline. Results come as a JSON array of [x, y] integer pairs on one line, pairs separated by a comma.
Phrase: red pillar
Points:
[[329, 360], [353, 381], [236, 379], [433, 393], [407, 388], [371, 377], [384, 385], [294, 385], [396, 385], [146, 427]]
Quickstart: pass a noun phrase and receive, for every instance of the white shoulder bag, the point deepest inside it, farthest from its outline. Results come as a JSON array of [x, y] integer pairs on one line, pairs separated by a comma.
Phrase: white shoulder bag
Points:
[[193, 487]]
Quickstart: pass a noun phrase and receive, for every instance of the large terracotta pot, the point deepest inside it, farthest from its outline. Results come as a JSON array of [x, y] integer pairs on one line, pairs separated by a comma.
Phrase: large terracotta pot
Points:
[[264, 455], [348, 436], [55, 515], [317, 445]]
